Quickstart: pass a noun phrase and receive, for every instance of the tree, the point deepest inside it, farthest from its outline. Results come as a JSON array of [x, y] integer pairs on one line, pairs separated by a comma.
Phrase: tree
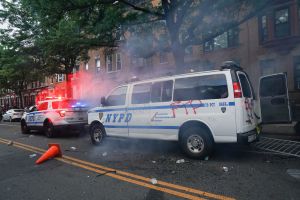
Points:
[[61, 31], [20, 61], [16, 71], [70, 28], [193, 22]]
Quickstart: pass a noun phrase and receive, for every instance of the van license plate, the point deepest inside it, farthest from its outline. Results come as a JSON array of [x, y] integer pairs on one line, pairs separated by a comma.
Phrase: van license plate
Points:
[[251, 138]]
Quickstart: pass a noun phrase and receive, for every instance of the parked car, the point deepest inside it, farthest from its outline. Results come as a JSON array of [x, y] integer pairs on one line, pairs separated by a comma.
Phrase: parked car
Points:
[[13, 115]]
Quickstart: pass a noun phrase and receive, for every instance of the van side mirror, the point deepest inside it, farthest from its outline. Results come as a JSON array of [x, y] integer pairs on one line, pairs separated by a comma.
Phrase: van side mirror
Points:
[[103, 101]]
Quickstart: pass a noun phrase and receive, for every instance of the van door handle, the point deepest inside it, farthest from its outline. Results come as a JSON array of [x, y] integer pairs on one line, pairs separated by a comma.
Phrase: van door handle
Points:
[[277, 101]]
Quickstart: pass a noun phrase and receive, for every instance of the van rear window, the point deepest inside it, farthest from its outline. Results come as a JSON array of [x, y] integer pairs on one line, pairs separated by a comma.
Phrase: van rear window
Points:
[[201, 87], [245, 86]]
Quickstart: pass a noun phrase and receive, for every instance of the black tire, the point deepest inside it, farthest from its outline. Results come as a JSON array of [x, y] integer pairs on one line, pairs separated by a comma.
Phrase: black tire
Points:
[[24, 128], [196, 142], [97, 134], [49, 129]]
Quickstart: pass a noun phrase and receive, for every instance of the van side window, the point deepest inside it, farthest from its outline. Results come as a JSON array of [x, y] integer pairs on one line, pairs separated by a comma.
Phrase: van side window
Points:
[[162, 91], [201, 87], [141, 93], [245, 86], [117, 97]]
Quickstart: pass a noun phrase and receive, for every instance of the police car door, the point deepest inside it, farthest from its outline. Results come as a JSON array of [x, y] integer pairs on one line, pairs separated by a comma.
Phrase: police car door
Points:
[[36, 118], [115, 112], [274, 99]]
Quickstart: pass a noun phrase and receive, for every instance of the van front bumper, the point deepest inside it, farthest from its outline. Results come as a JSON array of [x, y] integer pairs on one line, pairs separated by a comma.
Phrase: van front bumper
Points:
[[248, 137]]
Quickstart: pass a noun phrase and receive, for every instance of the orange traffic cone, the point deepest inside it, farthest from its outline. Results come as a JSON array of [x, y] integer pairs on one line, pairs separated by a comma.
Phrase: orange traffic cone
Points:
[[54, 150]]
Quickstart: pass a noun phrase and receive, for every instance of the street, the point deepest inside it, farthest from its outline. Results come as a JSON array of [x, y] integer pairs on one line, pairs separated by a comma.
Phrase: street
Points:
[[137, 169]]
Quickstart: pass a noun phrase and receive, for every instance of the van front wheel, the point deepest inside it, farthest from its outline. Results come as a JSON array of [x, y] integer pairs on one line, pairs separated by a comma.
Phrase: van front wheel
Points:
[[196, 142], [97, 134]]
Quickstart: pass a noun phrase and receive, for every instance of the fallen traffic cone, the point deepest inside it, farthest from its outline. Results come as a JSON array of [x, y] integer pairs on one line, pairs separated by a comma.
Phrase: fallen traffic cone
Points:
[[54, 150]]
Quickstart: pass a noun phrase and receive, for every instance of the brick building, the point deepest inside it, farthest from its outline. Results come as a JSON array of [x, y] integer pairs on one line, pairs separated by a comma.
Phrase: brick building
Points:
[[266, 44], [35, 91]]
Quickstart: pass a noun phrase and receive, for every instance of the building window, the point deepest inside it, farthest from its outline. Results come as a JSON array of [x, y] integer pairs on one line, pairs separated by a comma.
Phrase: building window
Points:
[[297, 76], [98, 65], [282, 24], [109, 63], [188, 50], [228, 39], [86, 66], [267, 67], [118, 61], [209, 46], [163, 57], [297, 72], [233, 37], [221, 42], [263, 28], [137, 61], [60, 77]]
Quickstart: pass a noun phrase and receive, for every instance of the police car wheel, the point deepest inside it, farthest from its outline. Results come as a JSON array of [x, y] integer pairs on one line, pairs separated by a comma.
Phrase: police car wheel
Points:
[[196, 142], [24, 128], [97, 134], [49, 130]]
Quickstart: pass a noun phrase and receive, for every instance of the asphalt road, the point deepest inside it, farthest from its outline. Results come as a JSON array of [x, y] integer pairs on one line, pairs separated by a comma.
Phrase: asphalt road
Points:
[[123, 169]]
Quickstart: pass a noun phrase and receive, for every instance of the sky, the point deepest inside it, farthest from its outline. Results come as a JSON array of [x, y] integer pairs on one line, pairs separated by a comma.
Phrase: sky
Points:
[[2, 25]]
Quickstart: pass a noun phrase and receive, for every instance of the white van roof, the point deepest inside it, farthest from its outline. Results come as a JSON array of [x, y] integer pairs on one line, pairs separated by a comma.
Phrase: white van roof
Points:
[[175, 76]]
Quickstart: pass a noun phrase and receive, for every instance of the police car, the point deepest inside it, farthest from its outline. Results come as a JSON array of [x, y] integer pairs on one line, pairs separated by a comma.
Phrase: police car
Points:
[[55, 114], [196, 109]]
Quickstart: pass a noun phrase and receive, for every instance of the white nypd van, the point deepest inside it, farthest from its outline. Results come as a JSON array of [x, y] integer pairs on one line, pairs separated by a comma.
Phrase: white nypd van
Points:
[[55, 114], [196, 109]]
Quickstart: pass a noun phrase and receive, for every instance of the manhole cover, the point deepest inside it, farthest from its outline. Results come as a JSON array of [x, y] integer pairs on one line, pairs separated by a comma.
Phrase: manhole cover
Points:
[[294, 173]]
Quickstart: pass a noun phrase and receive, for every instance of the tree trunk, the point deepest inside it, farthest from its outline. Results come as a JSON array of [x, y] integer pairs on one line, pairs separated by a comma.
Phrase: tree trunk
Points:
[[178, 54], [21, 99], [69, 91]]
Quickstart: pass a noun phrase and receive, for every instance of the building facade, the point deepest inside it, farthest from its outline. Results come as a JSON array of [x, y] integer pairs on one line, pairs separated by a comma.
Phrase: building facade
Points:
[[266, 44]]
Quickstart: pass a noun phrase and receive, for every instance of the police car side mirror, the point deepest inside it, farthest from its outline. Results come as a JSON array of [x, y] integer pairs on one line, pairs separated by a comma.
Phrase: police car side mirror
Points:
[[103, 101]]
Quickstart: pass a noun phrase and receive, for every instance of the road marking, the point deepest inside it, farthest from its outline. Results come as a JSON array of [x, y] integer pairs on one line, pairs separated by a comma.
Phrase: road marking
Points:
[[9, 125], [103, 170]]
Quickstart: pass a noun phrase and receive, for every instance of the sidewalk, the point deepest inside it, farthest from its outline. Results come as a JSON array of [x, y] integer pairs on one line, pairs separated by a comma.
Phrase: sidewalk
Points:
[[281, 131]]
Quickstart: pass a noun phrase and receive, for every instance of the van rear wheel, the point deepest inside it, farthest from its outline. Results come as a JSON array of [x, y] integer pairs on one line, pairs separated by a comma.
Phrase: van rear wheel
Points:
[[97, 134], [196, 142]]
